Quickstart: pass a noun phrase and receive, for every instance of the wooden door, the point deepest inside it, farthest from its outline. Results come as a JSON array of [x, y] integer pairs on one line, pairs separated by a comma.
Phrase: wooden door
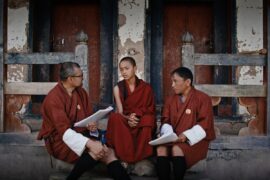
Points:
[[69, 18], [197, 19]]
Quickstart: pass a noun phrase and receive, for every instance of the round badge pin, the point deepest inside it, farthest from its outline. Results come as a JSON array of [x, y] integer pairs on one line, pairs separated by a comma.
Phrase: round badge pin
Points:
[[188, 111]]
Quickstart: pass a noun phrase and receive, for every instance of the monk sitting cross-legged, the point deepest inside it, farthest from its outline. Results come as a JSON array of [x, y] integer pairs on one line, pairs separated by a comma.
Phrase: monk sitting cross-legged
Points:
[[131, 128]]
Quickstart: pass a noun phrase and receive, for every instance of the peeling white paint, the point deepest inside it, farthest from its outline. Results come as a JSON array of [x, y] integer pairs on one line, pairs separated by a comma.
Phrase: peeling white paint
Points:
[[17, 29], [131, 32], [248, 78], [22, 110], [134, 12], [249, 39], [17, 40]]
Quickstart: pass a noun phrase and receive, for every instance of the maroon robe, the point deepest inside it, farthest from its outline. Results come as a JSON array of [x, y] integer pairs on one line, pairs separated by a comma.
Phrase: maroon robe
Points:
[[197, 109], [131, 144], [60, 112]]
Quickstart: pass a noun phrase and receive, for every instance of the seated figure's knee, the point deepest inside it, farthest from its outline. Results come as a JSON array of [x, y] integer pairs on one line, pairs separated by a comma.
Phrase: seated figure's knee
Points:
[[109, 157], [177, 151], [162, 151]]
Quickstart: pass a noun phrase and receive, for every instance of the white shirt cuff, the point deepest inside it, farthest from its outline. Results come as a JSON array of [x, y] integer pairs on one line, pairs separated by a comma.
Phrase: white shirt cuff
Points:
[[75, 141], [166, 129], [195, 134]]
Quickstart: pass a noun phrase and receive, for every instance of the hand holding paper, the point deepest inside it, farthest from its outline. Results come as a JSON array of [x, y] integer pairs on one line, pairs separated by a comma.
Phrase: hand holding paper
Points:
[[94, 117], [166, 136]]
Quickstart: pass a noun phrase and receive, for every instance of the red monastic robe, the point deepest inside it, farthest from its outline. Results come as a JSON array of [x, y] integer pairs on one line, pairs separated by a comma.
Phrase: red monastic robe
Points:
[[197, 109], [131, 144], [60, 112]]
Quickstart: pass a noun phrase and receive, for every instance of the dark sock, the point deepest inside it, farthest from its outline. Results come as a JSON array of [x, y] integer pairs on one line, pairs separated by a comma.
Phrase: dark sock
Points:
[[179, 167], [84, 163], [117, 171], [163, 168]]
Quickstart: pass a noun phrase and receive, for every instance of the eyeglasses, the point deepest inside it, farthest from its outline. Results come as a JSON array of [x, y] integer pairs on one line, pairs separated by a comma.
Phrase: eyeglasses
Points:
[[77, 75]]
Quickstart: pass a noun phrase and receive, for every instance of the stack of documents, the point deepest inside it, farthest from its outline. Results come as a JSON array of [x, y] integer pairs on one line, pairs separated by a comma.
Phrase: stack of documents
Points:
[[94, 117]]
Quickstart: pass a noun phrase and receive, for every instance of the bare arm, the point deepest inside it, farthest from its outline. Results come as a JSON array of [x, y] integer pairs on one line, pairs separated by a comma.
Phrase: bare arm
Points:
[[118, 102]]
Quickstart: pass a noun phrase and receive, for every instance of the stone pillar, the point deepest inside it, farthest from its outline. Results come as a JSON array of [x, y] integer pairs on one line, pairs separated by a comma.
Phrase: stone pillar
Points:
[[81, 57], [188, 52]]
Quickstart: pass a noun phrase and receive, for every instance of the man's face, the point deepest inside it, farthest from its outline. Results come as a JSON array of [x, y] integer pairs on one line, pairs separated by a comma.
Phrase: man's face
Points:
[[179, 85], [127, 70], [77, 78]]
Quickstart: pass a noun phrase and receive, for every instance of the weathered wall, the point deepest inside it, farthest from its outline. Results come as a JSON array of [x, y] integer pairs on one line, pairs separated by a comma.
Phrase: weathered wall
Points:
[[17, 41], [131, 21], [249, 34]]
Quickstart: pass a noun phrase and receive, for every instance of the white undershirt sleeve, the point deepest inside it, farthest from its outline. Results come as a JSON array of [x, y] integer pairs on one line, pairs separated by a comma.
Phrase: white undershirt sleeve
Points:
[[75, 141], [195, 134]]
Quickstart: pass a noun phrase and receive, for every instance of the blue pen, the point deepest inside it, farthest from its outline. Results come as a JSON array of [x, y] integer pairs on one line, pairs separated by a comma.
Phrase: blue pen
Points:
[[102, 136]]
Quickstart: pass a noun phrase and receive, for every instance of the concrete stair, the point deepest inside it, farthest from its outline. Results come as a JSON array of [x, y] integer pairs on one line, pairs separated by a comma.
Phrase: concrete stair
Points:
[[62, 169]]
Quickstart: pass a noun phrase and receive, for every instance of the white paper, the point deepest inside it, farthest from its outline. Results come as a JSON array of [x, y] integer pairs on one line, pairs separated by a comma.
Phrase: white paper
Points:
[[100, 114], [166, 138], [167, 135]]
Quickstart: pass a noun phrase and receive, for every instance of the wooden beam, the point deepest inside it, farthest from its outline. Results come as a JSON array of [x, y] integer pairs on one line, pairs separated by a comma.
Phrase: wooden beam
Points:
[[29, 88], [39, 58], [2, 97], [2, 112], [230, 60], [221, 73], [233, 90], [42, 26], [268, 69], [156, 64], [106, 50]]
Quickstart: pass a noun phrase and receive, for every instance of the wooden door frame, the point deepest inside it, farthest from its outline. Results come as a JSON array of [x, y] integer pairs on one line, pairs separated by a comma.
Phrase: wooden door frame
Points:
[[108, 47], [155, 26]]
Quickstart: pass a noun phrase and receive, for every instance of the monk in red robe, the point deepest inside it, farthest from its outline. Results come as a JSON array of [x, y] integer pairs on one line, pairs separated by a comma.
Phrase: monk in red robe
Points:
[[131, 128], [66, 104], [189, 113]]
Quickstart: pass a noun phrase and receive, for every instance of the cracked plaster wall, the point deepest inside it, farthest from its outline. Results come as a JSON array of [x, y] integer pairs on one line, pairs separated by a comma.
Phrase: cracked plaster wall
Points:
[[131, 21]]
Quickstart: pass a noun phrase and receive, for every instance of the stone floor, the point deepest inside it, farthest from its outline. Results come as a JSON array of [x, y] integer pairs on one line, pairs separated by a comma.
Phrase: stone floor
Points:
[[62, 176]]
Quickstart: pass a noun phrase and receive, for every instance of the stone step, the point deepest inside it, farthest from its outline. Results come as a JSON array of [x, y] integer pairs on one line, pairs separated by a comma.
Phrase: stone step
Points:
[[143, 170], [93, 176]]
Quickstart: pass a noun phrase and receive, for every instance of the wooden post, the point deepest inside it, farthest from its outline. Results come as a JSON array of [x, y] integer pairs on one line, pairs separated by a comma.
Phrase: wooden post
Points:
[[156, 55], [2, 112], [268, 69], [188, 52], [81, 57], [106, 50]]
